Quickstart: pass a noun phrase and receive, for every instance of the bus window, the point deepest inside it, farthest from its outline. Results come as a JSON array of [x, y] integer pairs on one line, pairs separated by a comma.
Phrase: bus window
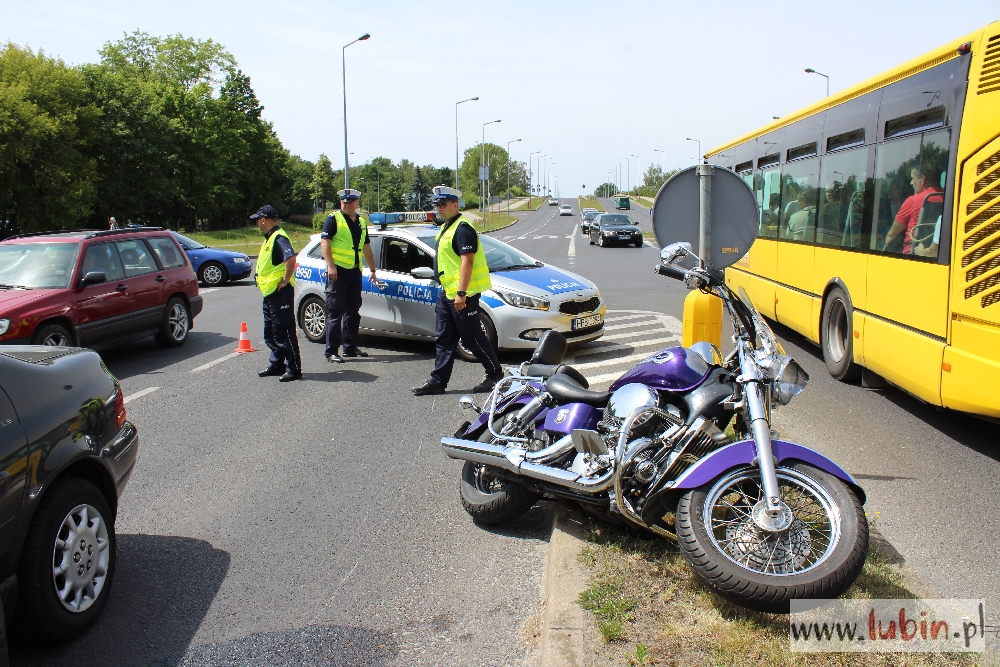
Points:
[[909, 194], [768, 191], [799, 183], [842, 199]]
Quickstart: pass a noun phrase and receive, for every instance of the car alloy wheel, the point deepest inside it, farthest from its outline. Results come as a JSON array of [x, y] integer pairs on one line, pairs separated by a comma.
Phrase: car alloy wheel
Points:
[[177, 321], [213, 274], [57, 339], [80, 558], [314, 320]]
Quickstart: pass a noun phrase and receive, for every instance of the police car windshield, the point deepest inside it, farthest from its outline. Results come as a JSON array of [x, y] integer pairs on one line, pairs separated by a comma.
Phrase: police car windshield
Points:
[[190, 243], [502, 257]]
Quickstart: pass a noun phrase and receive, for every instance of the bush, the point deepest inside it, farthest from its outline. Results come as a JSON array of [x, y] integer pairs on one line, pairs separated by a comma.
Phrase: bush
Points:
[[318, 220]]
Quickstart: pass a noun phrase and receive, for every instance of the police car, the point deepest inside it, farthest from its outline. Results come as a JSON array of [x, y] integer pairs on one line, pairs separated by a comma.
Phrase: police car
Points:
[[527, 298]]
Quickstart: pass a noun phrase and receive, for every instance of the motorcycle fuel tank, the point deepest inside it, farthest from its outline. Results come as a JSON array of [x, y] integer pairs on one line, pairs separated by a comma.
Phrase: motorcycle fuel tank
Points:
[[676, 369], [565, 418]]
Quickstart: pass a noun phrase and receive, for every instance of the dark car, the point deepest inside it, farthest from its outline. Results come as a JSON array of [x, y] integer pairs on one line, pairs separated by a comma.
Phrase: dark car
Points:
[[214, 266], [610, 228], [90, 287], [67, 451], [588, 218]]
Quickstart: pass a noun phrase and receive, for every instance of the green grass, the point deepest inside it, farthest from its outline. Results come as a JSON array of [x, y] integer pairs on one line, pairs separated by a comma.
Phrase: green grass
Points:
[[591, 202], [652, 610], [537, 203], [645, 202], [248, 239], [494, 221]]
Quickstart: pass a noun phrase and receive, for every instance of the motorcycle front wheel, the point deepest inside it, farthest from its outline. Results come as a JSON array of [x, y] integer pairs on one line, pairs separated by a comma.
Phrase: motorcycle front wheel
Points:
[[488, 497], [816, 550]]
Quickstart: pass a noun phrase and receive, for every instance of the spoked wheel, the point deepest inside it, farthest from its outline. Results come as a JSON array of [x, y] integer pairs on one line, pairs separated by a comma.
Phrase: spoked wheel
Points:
[[54, 335], [487, 496], [213, 274], [313, 319], [176, 324], [814, 549]]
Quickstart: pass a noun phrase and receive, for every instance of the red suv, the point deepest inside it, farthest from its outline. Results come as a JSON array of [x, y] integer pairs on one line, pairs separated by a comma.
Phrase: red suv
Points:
[[87, 287]]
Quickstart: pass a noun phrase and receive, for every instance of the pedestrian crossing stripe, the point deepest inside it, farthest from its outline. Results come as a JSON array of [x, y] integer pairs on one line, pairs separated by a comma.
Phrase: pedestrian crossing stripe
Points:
[[644, 333]]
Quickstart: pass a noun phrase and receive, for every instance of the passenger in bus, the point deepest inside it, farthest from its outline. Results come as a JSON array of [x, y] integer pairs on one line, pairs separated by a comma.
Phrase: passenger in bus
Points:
[[924, 249], [921, 179], [772, 214], [793, 206], [802, 221]]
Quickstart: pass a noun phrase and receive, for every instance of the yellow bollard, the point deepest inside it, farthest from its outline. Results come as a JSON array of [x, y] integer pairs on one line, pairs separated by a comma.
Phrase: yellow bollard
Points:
[[702, 319]]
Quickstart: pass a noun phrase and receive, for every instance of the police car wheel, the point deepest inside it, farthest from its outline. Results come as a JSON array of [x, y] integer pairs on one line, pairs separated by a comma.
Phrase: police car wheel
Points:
[[491, 335], [312, 319]]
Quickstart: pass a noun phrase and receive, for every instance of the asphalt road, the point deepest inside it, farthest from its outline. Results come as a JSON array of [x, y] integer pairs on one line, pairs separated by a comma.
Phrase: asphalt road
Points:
[[318, 522]]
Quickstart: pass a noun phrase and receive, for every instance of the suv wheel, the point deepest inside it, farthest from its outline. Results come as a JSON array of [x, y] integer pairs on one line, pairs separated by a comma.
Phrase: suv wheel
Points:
[[176, 324], [52, 334], [68, 562]]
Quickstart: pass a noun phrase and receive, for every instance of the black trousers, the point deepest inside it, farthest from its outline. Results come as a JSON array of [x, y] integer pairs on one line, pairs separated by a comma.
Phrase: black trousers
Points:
[[455, 324], [279, 329], [343, 310]]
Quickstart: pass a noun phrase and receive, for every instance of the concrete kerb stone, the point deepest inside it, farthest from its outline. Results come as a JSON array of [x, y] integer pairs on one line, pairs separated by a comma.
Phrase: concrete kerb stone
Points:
[[563, 620]]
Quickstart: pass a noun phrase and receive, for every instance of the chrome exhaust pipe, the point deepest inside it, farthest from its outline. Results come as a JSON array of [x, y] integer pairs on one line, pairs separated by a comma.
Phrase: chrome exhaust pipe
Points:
[[513, 460], [552, 452]]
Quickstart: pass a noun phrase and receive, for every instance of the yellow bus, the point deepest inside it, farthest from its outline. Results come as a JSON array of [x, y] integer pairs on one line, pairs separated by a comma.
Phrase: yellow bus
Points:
[[879, 234]]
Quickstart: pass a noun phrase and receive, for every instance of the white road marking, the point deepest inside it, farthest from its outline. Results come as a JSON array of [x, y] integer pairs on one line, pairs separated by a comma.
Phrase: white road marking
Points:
[[209, 290], [138, 394], [572, 247], [626, 346], [611, 362], [622, 318], [630, 325], [213, 363]]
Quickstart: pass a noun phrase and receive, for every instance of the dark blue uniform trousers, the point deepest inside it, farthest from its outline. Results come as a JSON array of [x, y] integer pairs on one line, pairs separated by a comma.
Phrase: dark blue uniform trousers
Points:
[[454, 324], [343, 310], [279, 329]]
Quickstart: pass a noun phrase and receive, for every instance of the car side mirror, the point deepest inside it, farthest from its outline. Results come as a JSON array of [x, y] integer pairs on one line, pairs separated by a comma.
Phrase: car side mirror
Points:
[[185, 246], [94, 277], [423, 272]]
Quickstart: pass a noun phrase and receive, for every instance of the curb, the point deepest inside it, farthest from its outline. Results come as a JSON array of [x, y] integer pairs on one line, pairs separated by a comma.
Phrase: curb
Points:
[[563, 620]]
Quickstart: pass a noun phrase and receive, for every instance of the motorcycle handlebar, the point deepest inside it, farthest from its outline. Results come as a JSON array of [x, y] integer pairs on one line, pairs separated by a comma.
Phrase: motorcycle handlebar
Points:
[[670, 271]]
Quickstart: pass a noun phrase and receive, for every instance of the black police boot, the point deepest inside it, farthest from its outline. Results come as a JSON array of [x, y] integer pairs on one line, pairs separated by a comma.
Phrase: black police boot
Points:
[[428, 388], [355, 353], [290, 377], [487, 384], [271, 370], [335, 358]]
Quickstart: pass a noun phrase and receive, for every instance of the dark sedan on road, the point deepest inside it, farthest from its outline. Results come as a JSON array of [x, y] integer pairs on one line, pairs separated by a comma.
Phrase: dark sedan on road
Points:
[[214, 266], [588, 217], [67, 451], [610, 228]]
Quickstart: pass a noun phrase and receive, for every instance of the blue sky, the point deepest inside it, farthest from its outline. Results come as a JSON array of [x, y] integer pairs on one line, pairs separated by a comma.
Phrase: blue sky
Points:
[[585, 83]]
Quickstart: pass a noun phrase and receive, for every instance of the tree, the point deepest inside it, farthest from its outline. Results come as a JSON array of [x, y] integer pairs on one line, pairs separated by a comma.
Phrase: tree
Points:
[[298, 199], [605, 190], [323, 188], [48, 121], [419, 195]]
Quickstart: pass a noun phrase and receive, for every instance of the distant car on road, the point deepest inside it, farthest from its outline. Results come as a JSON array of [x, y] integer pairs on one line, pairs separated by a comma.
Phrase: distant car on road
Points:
[[86, 287], [588, 218], [610, 228], [67, 451], [623, 203], [585, 211], [527, 299], [565, 209], [214, 266], [553, 202]]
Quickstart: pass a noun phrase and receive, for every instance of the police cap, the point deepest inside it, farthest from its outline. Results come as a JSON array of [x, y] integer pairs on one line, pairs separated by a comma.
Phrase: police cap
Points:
[[349, 195], [443, 193], [265, 211]]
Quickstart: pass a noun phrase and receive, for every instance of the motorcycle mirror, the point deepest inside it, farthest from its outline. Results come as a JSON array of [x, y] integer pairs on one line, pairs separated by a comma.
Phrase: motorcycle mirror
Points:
[[675, 251], [733, 220]]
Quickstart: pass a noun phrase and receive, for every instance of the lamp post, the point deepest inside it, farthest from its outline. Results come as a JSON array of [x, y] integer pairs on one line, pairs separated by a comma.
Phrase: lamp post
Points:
[[531, 183], [697, 141], [471, 99], [513, 141], [664, 167], [482, 163], [810, 70], [638, 168], [343, 73]]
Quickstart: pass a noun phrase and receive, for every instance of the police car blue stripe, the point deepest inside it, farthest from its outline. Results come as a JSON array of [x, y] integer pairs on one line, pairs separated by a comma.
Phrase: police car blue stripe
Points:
[[547, 278]]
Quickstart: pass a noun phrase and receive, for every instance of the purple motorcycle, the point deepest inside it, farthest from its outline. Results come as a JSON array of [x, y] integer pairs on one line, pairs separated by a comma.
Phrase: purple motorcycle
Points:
[[761, 521]]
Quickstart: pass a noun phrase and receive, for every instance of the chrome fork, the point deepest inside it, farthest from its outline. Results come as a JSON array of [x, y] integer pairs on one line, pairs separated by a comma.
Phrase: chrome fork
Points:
[[750, 378]]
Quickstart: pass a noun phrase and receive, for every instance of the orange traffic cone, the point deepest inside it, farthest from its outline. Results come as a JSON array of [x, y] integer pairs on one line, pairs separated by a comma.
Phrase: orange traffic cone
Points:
[[244, 345]]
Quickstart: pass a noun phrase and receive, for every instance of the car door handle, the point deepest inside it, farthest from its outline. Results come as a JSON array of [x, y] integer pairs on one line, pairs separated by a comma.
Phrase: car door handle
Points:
[[160, 279], [121, 288]]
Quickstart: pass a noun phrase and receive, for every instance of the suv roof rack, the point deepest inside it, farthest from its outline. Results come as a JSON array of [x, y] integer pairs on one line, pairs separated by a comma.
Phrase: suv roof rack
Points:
[[88, 233]]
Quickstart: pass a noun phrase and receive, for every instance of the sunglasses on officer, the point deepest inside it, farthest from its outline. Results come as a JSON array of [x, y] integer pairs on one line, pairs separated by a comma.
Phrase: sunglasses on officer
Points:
[[442, 203]]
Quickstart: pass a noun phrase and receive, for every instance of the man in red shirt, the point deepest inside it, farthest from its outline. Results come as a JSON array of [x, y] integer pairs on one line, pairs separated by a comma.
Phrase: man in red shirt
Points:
[[909, 212]]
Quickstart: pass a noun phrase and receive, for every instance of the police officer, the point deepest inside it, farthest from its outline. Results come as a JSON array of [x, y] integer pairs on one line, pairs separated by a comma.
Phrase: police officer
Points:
[[460, 265], [276, 280], [344, 238]]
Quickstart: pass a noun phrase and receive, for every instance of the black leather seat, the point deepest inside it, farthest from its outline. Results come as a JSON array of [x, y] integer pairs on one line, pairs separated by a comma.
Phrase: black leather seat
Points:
[[548, 370], [551, 348], [566, 390]]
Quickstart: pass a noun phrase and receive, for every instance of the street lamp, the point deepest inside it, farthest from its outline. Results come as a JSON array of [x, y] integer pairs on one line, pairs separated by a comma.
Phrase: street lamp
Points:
[[482, 163], [697, 141], [513, 141], [343, 73], [531, 182], [471, 99], [810, 70], [664, 167]]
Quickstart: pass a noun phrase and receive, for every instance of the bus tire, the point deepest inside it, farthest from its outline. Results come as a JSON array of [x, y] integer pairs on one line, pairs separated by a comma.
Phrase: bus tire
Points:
[[837, 336]]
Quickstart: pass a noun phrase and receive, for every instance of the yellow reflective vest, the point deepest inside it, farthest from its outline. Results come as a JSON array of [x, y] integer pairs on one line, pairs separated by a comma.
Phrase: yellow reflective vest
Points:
[[270, 274], [449, 263], [342, 249]]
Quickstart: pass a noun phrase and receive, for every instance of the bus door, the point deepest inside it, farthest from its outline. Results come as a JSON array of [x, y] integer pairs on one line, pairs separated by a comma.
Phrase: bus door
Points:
[[796, 295], [906, 322], [762, 260]]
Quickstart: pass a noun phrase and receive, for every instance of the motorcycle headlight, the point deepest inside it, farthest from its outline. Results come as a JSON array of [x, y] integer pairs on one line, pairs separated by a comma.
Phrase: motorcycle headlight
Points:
[[4, 325], [791, 379], [521, 300]]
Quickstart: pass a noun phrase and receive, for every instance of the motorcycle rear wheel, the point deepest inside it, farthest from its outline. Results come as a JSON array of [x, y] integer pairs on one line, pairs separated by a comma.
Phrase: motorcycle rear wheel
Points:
[[818, 555], [489, 498]]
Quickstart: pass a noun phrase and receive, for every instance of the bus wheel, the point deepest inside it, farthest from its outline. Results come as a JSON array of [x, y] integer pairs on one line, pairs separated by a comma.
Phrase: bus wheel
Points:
[[837, 336]]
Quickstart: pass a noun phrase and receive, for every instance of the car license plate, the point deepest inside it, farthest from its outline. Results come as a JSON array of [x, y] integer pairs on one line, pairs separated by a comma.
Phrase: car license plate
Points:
[[589, 321]]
